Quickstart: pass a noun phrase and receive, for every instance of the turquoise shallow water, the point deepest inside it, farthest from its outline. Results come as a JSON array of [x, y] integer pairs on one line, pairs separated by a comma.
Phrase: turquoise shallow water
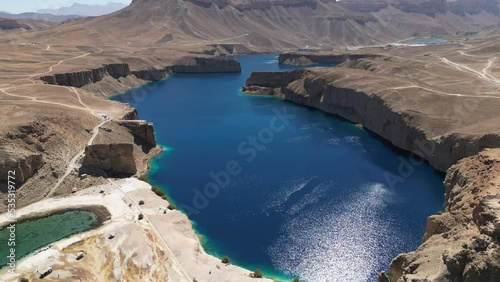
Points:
[[34, 234], [310, 199]]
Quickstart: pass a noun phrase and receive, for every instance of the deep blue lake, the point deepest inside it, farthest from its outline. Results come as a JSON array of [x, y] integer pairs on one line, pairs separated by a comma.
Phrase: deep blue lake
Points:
[[297, 192]]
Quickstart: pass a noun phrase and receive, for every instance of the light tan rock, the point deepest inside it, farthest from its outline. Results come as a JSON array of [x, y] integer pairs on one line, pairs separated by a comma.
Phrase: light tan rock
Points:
[[468, 248]]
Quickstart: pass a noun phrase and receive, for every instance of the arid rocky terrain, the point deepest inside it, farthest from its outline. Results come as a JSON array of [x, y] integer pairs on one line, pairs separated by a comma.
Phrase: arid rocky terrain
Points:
[[462, 243], [439, 101]]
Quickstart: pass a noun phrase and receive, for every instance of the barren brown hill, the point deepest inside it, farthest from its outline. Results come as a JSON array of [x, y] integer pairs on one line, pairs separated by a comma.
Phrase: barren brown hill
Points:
[[25, 24], [273, 24]]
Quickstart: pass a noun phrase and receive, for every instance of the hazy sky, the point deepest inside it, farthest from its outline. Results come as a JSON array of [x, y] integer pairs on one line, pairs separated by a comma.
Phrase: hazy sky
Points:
[[20, 6]]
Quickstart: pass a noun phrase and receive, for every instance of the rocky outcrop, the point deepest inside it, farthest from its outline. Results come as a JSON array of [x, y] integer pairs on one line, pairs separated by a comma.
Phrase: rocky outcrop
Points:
[[118, 70], [153, 74], [132, 114], [206, 65], [120, 148], [25, 155], [142, 131], [463, 242], [114, 159], [23, 163], [272, 79], [309, 58]]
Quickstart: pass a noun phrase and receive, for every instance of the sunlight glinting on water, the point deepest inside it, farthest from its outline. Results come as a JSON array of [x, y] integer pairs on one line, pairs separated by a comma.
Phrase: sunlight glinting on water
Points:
[[334, 243]]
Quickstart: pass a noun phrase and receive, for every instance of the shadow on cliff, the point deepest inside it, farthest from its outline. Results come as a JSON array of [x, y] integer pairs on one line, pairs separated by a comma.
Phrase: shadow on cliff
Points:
[[145, 146]]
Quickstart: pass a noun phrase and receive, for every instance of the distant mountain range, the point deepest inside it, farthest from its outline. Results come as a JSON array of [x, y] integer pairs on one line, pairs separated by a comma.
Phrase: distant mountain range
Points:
[[274, 24], [66, 13], [85, 10], [39, 17], [277, 24]]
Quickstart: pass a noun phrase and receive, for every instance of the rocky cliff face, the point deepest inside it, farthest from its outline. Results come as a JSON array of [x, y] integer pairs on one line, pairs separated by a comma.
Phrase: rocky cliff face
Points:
[[153, 74], [463, 242], [304, 58], [272, 79], [114, 159], [117, 71], [132, 114], [120, 148], [24, 163], [142, 131], [401, 127], [81, 78], [206, 65], [26, 156]]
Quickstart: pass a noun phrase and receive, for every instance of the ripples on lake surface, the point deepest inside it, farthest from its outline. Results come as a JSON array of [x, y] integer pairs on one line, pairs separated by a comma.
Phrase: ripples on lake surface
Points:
[[314, 203]]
